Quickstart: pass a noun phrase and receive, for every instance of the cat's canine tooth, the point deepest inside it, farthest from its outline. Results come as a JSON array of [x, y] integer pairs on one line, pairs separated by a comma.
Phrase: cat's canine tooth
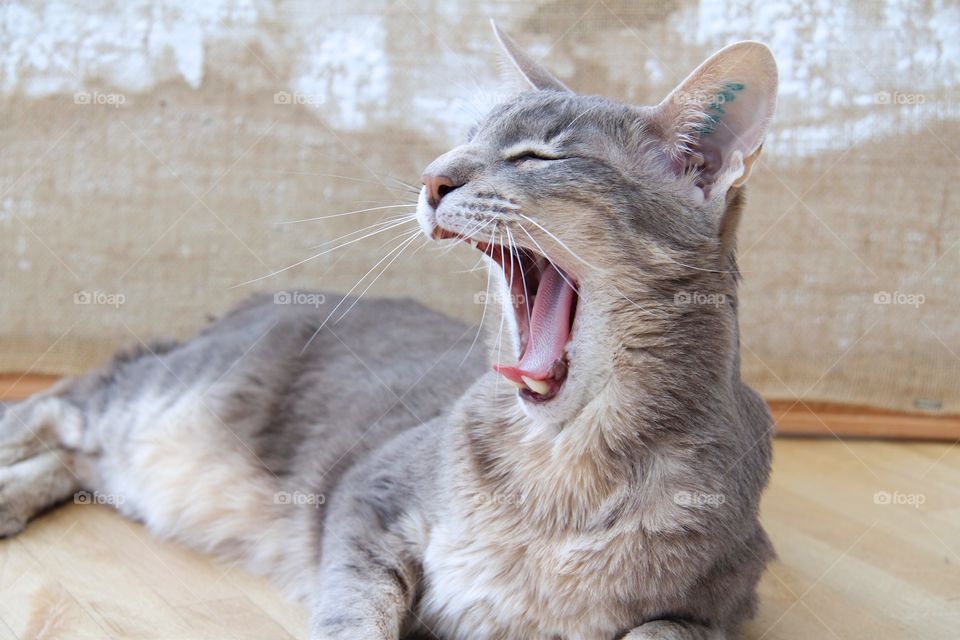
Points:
[[515, 383], [537, 386]]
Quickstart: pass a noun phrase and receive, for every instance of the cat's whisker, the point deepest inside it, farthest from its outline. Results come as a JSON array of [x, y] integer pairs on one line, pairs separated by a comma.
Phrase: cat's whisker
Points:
[[424, 242], [637, 305], [386, 223], [382, 202], [547, 256], [477, 228], [328, 175], [704, 269], [399, 251], [352, 289], [582, 113], [347, 213], [404, 235], [322, 253], [407, 185], [559, 241], [523, 276], [503, 316], [486, 302]]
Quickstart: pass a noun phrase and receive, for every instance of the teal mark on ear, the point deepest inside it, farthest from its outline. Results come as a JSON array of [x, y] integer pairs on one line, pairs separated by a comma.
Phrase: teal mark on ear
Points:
[[715, 109]]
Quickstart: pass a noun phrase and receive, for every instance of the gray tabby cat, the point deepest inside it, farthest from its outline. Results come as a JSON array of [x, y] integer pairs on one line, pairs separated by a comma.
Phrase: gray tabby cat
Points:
[[390, 478]]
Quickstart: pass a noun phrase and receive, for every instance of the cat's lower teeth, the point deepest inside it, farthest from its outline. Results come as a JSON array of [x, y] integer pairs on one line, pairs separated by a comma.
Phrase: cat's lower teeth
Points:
[[537, 386]]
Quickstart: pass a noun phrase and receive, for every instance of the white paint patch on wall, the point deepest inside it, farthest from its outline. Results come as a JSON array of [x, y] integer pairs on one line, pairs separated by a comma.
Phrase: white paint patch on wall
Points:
[[885, 66], [849, 73], [59, 47], [345, 70]]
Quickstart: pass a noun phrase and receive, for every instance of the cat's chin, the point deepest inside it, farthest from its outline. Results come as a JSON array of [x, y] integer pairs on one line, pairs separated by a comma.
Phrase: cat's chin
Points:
[[543, 298]]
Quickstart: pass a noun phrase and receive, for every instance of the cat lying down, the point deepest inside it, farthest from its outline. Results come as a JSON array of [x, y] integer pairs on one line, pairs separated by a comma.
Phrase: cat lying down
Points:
[[601, 481]]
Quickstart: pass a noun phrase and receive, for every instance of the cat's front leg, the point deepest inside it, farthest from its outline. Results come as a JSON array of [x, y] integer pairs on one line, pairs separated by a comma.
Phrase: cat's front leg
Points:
[[362, 596], [674, 630], [366, 581]]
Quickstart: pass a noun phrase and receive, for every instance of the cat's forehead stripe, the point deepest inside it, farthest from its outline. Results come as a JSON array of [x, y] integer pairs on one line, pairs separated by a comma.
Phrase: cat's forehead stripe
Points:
[[556, 119]]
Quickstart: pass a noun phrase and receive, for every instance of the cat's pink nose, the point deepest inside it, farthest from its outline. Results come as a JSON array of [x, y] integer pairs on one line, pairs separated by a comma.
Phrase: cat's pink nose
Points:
[[437, 187]]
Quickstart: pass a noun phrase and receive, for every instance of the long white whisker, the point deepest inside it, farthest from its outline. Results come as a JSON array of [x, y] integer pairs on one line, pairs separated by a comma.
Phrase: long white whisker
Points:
[[503, 316], [404, 235], [407, 185], [638, 306], [469, 234], [317, 255], [347, 213], [347, 294], [690, 266], [328, 175], [547, 256], [353, 288], [403, 246], [385, 223], [425, 242], [523, 276], [560, 242], [486, 303]]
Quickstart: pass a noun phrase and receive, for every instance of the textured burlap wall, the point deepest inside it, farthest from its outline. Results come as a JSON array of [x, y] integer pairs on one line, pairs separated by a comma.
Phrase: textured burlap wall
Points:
[[150, 153]]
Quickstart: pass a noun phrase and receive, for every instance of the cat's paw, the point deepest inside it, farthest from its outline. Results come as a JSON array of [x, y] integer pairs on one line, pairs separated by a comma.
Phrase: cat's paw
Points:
[[32, 485], [670, 630], [12, 518]]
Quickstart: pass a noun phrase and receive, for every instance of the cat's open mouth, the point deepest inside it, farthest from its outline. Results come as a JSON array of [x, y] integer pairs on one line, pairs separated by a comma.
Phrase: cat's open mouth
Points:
[[544, 302]]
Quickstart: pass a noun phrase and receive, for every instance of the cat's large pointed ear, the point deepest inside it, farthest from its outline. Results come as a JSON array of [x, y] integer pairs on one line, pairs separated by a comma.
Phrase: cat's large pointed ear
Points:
[[715, 120], [536, 75]]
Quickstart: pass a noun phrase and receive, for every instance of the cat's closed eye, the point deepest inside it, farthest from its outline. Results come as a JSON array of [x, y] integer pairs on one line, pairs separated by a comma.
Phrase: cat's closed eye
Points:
[[532, 155]]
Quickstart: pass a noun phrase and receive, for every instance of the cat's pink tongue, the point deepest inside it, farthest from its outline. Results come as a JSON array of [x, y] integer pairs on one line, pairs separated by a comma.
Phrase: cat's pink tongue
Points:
[[549, 331]]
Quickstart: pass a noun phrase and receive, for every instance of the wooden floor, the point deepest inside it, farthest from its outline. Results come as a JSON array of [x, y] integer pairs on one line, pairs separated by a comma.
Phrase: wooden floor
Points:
[[868, 535]]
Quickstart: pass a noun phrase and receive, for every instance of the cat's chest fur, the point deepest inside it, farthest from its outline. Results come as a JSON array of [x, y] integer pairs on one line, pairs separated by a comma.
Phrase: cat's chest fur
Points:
[[484, 580]]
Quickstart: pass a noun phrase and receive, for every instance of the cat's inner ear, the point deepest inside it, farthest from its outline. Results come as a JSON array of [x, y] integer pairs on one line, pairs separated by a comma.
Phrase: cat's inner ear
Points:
[[535, 74], [715, 121]]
